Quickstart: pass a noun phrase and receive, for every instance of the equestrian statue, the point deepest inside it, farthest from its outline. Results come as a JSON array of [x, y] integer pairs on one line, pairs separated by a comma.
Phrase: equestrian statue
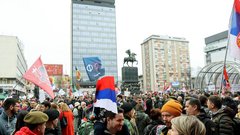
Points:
[[131, 58]]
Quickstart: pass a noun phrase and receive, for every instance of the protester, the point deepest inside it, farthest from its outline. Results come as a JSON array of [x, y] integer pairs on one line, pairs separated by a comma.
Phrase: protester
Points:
[[156, 126], [129, 118], [170, 110], [113, 124], [66, 112], [8, 117], [52, 122], [35, 124], [193, 107], [142, 119], [76, 114], [45, 105], [20, 123], [187, 125], [221, 116]]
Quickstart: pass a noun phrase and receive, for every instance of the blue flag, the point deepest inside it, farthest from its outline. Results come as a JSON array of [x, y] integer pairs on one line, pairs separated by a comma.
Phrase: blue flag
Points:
[[93, 68]]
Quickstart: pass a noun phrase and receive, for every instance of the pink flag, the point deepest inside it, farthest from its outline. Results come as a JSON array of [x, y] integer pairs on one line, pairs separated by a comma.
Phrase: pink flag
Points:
[[37, 74]]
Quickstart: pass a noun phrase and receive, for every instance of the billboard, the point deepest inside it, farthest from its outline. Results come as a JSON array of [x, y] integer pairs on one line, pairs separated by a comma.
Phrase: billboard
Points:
[[93, 68], [54, 69]]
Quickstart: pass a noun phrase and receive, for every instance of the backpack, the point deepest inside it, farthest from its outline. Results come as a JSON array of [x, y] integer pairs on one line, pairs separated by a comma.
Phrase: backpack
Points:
[[236, 126], [157, 130], [86, 128]]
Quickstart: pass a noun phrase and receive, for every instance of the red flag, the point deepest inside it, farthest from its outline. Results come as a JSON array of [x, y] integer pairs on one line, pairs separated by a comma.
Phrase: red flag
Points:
[[226, 81], [37, 74]]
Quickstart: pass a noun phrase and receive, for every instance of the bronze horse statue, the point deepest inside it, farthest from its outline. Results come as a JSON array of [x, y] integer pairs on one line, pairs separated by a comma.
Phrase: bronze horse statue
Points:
[[130, 58]]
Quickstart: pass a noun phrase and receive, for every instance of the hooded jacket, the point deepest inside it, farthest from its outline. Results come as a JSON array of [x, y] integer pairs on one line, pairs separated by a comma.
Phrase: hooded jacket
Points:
[[24, 131], [7, 124]]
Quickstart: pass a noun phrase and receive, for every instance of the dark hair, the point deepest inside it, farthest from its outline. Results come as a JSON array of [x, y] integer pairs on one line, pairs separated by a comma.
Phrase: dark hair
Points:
[[155, 114], [194, 101], [120, 96], [216, 100], [229, 102], [203, 100], [20, 123], [112, 115], [31, 126], [8, 102], [46, 104]]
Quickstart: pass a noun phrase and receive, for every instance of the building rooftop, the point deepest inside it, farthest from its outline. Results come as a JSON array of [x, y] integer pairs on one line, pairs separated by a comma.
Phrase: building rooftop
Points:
[[165, 37], [216, 37]]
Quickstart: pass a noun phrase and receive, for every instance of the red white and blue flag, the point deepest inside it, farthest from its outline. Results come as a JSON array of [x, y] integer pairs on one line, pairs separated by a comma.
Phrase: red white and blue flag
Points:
[[106, 94], [234, 31], [37, 74], [225, 79]]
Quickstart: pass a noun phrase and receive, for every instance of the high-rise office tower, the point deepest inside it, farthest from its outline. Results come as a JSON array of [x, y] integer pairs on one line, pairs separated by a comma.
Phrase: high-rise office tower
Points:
[[165, 60], [93, 35]]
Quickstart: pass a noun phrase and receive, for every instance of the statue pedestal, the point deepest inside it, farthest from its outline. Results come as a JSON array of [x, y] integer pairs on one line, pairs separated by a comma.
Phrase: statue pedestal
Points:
[[130, 79]]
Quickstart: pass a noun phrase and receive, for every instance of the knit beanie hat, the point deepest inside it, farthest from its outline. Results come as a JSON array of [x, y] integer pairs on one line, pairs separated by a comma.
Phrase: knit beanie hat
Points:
[[127, 107], [173, 107]]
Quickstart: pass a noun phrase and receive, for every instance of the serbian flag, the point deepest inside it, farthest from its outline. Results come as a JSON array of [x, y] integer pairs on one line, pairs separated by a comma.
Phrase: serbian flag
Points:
[[226, 80], [37, 74], [234, 30], [106, 94]]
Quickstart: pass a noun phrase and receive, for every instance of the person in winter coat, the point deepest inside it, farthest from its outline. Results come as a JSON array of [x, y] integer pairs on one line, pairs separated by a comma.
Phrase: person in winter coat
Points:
[[129, 118], [20, 123], [8, 117], [52, 122], [170, 110], [221, 116], [142, 119], [112, 125], [76, 116], [35, 124], [193, 107], [66, 112], [156, 121]]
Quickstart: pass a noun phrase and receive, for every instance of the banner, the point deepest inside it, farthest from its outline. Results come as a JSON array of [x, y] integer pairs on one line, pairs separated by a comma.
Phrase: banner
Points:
[[93, 68], [37, 74]]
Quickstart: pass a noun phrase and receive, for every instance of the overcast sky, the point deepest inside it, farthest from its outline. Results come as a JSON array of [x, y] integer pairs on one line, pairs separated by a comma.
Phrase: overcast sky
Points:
[[43, 26]]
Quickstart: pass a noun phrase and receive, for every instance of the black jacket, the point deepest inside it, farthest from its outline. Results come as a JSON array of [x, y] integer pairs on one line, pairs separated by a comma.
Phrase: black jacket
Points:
[[49, 131], [211, 127], [100, 129], [223, 119]]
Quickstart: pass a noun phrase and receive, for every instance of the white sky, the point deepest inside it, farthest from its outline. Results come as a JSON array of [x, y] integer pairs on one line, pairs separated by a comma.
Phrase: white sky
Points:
[[44, 28]]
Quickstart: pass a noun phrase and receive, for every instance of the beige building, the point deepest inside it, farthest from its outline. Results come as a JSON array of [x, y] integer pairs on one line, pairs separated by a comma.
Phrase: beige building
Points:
[[13, 64], [165, 59]]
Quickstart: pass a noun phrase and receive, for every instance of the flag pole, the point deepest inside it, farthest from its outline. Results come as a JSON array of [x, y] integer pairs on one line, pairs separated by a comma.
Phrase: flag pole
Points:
[[224, 64]]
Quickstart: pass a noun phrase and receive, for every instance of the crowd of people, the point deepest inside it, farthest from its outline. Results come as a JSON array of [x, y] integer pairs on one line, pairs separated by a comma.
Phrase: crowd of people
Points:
[[151, 113]]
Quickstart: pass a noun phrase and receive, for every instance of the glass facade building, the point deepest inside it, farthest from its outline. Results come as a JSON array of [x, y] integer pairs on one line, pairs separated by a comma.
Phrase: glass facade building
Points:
[[93, 35]]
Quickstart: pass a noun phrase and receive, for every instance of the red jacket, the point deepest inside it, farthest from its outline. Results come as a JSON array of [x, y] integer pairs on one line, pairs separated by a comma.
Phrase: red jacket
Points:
[[24, 131], [69, 129]]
